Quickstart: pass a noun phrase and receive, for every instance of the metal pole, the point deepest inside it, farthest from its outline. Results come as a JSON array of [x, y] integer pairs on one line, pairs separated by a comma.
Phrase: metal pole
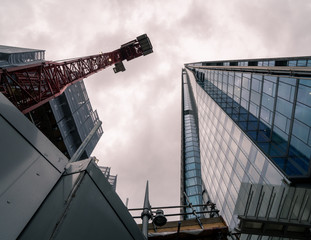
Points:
[[145, 215], [193, 211], [83, 145]]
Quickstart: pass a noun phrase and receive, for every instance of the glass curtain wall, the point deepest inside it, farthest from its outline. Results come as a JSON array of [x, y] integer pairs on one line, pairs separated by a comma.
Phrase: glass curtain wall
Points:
[[274, 111], [192, 183]]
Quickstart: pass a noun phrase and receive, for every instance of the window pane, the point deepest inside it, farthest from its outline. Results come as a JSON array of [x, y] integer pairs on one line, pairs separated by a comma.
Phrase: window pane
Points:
[[269, 88], [253, 108], [303, 113], [302, 63], [306, 82], [246, 80], [284, 107], [286, 91], [301, 131], [268, 101], [301, 147], [266, 115], [255, 97], [292, 63], [280, 121], [256, 85], [304, 95], [245, 94], [291, 81]]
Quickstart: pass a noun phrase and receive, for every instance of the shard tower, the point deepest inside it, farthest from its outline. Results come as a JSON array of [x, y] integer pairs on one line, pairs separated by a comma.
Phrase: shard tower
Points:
[[246, 143]]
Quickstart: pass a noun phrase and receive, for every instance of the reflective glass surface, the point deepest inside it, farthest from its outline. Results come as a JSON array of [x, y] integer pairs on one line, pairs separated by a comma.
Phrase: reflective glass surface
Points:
[[244, 142], [275, 112], [192, 184]]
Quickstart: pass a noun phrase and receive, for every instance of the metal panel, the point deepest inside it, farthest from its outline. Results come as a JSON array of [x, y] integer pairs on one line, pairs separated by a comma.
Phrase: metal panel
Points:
[[82, 206], [25, 180], [91, 217], [114, 200], [46, 219], [31, 134], [30, 167]]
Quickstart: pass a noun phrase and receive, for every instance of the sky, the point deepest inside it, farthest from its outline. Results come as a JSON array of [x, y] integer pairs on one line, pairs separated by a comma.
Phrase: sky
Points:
[[141, 107]]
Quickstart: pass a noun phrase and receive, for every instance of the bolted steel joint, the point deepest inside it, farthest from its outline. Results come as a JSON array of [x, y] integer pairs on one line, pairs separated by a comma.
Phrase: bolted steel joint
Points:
[[146, 212]]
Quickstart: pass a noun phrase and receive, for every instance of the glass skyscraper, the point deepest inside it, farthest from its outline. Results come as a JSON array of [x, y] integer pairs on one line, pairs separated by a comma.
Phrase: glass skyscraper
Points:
[[246, 141]]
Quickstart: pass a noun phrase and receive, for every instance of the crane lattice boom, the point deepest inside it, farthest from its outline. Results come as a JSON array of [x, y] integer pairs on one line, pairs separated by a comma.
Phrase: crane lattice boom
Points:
[[30, 86]]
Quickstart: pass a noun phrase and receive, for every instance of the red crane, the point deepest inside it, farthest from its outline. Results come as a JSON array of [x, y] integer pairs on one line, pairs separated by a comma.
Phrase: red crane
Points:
[[30, 86]]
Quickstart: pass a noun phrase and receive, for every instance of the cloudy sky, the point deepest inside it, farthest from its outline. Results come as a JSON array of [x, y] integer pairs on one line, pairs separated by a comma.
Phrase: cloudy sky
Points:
[[140, 108]]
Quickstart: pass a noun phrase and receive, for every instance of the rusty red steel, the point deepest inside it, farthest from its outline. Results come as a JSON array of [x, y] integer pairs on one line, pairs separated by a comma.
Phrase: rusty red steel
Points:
[[30, 86]]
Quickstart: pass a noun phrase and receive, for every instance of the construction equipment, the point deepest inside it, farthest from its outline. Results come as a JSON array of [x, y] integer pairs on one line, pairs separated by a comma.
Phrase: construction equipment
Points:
[[31, 85]]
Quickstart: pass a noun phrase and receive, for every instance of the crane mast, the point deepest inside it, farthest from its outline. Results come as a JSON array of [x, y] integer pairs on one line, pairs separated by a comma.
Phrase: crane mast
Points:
[[30, 86]]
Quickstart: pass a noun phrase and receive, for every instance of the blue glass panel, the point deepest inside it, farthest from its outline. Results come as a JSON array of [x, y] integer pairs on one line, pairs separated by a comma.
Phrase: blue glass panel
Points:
[[266, 115], [192, 154], [194, 190], [286, 91], [302, 63], [256, 85], [268, 101], [193, 181], [280, 141], [237, 91], [301, 131], [190, 174], [306, 82], [303, 113], [252, 125], [304, 95], [251, 117], [263, 136], [192, 166], [264, 146], [254, 109], [284, 107], [302, 148], [195, 200], [245, 94], [271, 78], [276, 150], [280, 121], [230, 89], [301, 164], [243, 125], [244, 103], [189, 149], [255, 97], [291, 169], [269, 88], [290, 81], [292, 63], [190, 160], [280, 162], [252, 135], [246, 80], [231, 78]]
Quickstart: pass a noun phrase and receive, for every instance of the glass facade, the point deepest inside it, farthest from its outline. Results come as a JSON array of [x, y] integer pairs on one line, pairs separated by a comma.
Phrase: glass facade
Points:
[[16, 56], [75, 118], [253, 121], [191, 184], [274, 111]]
